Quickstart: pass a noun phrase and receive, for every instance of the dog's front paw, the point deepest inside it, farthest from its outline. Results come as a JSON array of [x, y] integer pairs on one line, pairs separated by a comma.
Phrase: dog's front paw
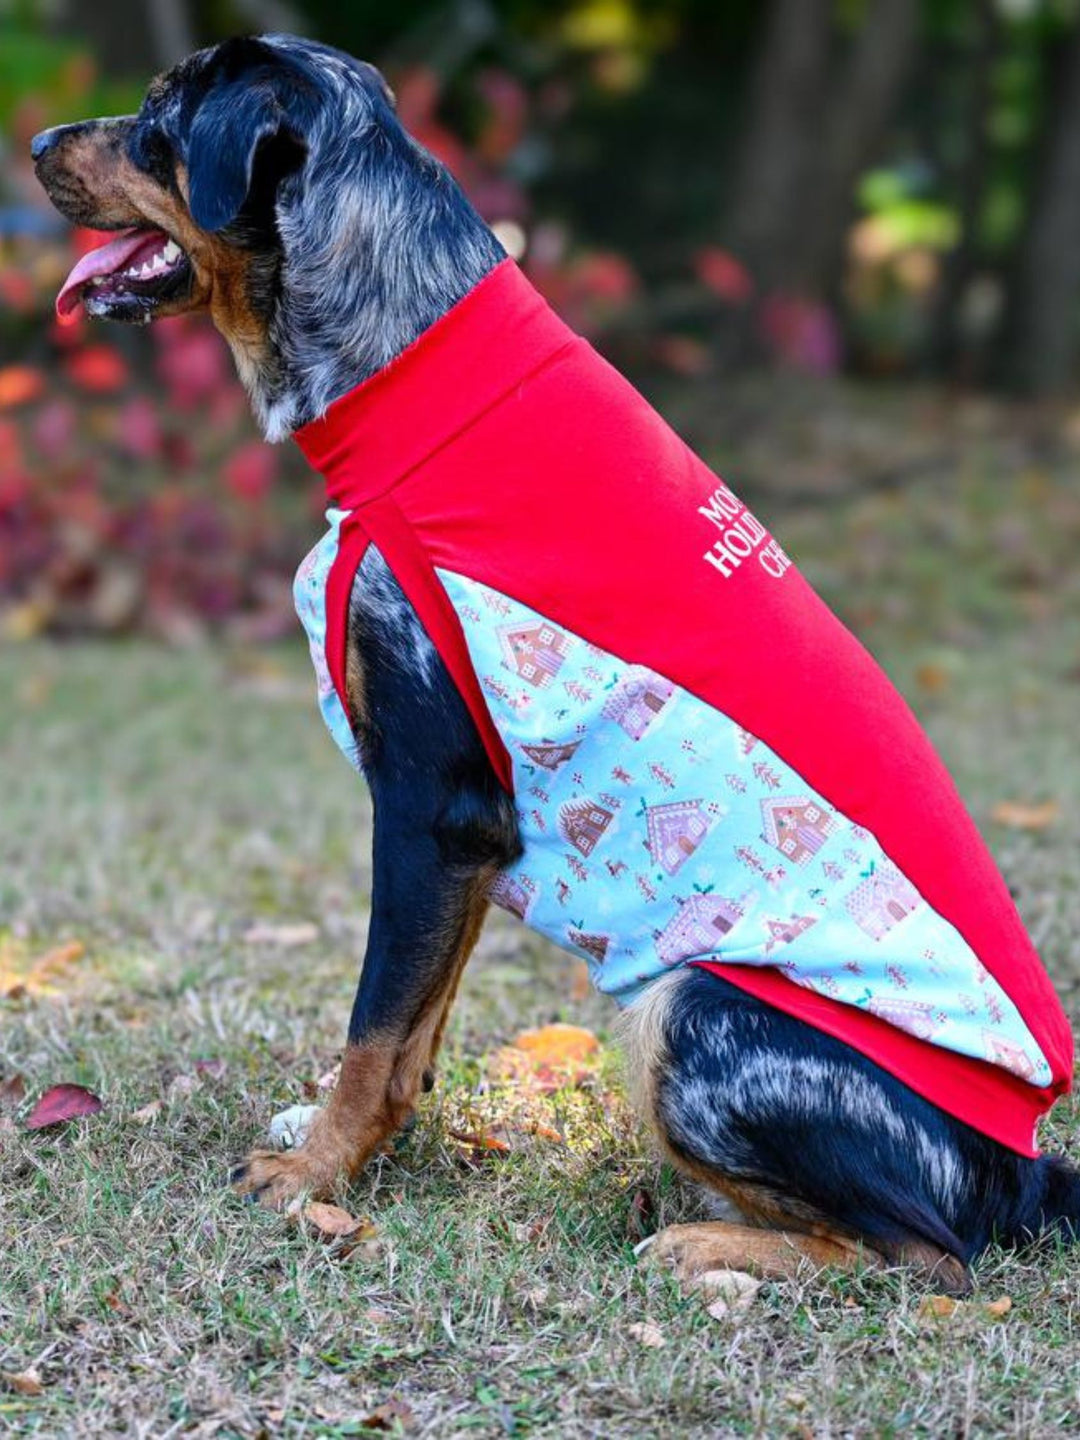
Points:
[[278, 1181]]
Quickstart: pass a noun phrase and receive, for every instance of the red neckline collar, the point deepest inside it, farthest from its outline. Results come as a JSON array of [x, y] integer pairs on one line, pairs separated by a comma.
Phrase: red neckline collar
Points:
[[475, 354]]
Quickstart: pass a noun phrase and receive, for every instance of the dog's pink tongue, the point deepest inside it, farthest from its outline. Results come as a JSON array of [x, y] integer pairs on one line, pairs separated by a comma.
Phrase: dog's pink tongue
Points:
[[105, 260]]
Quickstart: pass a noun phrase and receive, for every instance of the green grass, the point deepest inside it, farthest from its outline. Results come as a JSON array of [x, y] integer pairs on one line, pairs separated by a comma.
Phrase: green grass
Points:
[[156, 804]]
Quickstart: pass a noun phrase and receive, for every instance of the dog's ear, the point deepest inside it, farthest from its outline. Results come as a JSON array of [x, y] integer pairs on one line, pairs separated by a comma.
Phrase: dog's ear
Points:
[[253, 101]]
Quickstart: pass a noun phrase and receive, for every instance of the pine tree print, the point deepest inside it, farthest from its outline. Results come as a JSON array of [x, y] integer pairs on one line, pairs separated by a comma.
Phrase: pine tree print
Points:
[[767, 775]]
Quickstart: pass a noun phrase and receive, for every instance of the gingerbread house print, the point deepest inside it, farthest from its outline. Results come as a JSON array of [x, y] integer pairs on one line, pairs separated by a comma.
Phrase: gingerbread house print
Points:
[[594, 945], [582, 822], [510, 893], [696, 928], [637, 700], [882, 900], [796, 825], [914, 1016], [534, 651], [675, 832], [1008, 1055], [783, 932], [548, 755]]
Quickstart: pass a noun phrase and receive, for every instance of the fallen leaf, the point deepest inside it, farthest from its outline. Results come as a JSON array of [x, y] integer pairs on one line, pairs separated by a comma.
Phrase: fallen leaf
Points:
[[394, 1413], [331, 1222], [639, 1217], [557, 1044], [12, 1093], [944, 1307], [481, 1140], [214, 1068], [729, 1292], [23, 1382], [181, 1087], [58, 958], [148, 1112], [286, 936], [1019, 816], [647, 1332], [933, 679], [62, 1103], [936, 1307]]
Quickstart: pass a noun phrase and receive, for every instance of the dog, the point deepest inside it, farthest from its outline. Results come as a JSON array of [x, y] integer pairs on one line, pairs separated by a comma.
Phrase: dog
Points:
[[268, 182]]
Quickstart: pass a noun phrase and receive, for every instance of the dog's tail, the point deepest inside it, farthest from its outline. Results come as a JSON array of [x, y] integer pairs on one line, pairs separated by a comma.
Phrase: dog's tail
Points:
[[1048, 1203]]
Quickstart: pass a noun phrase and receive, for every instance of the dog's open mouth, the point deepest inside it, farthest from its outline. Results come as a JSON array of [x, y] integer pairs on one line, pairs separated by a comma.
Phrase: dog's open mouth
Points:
[[127, 279]]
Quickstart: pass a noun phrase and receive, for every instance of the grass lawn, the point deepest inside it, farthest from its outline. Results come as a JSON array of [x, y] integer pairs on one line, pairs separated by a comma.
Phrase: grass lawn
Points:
[[158, 806]]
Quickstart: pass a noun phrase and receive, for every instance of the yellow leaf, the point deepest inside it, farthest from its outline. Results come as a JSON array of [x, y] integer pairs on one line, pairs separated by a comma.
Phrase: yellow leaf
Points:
[[557, 1044], [1019, 816], [936, 1307], [23, 1382]]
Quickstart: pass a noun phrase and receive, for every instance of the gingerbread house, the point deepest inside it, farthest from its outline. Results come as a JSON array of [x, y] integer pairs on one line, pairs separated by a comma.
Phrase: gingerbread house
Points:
[[637, 700], [696, 928], [535, 652], [796, 825], [675, 831], [783, 932], [881, 901], [914, 1016], [582, 822], [510, 893], [1008, 1055], [548, 755], [595, 946]]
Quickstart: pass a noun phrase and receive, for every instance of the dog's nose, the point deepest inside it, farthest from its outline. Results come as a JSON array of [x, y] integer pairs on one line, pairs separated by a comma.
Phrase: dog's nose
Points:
[[44, 140]]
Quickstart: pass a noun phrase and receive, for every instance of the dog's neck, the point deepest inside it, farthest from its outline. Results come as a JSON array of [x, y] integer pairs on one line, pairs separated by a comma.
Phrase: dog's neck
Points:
[[359, 282]]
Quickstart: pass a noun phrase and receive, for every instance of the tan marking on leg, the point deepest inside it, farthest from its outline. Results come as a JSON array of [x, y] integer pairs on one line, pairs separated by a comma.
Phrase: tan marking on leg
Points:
[[359, 1117], [419, 1052], [788, 1226], [773, 1254]]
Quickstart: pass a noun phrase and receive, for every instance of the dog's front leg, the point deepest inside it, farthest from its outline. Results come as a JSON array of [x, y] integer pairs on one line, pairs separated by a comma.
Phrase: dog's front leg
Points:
[[425, 920], [443, 828]]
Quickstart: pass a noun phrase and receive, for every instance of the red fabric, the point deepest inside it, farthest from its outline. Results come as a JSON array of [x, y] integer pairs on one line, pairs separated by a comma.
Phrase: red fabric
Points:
[[501, 447]]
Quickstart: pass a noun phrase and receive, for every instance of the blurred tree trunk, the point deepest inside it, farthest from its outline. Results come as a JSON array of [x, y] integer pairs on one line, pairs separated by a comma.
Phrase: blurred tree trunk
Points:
[[970, 185], [811, 126], [1043, 301], [864, 98], [783, 130], [132, 37]]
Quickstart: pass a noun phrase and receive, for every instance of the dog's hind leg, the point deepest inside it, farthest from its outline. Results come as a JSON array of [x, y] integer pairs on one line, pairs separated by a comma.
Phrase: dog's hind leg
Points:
[[808, 1138]]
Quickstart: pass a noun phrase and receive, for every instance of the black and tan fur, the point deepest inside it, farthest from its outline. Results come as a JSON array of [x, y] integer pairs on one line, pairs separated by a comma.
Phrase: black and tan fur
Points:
[[322, 240]]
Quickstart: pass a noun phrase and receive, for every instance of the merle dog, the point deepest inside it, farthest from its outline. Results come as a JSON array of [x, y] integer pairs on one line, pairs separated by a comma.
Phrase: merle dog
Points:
[[322, 241]]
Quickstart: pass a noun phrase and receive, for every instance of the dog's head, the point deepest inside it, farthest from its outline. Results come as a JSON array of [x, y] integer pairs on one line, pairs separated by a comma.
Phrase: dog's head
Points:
[[268, 181]]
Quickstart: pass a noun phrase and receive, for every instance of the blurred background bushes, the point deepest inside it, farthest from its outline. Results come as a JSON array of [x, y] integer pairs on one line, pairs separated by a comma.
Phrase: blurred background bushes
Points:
[[886, 191]]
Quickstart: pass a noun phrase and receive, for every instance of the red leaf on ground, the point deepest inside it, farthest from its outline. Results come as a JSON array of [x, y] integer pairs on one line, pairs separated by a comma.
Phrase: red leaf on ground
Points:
[[62, 1103]]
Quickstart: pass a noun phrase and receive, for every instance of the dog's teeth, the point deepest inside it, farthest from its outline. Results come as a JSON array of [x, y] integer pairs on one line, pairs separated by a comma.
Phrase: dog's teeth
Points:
[[172, 251], [158, 262]]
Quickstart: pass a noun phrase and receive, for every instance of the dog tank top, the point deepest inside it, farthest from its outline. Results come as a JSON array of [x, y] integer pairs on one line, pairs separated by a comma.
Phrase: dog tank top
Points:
[[708, 768]]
